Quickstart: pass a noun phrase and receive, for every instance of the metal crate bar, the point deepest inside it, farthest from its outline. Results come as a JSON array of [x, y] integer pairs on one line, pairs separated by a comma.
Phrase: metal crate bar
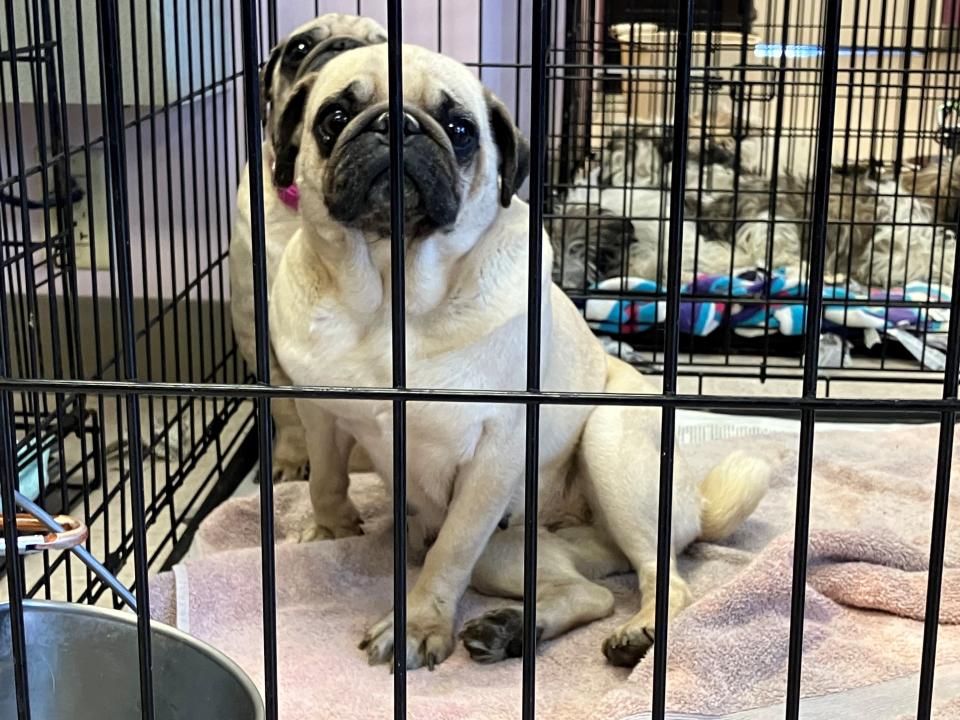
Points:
[[251, 105], [668, 415], [8, 473], [398, 348], [8, 483], [112, 85], [538, 127], [897, 406], [938, 532], [941, 502], [814, 316]]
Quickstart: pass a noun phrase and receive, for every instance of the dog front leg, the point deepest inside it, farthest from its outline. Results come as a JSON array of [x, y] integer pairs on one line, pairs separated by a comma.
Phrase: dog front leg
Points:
[[482, 493], [291, 461], [334, 515]]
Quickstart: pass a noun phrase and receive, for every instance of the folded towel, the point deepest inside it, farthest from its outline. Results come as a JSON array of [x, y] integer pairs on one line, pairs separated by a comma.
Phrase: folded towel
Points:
[[727, 653]]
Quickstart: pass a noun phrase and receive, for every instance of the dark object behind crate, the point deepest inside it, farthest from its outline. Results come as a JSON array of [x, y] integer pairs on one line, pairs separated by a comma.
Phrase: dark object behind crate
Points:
[[717, 14]]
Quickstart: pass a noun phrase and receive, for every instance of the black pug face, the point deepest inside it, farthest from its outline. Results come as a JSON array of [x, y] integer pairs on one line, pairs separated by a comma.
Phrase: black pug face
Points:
[[457, 141], [308, 49], [439, 146]]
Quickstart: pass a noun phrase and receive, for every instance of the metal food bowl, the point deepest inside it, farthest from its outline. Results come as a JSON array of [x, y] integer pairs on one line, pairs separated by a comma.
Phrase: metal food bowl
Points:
[[82, 664]]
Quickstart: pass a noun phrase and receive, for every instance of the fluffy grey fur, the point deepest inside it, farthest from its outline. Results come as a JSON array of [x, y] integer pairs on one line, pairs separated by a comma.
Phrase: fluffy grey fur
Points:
[[938, 183], [593, 244], [613, 221], [876, 234]]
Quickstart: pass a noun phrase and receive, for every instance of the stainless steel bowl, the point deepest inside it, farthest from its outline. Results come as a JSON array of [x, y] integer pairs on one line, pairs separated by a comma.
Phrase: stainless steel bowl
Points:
[[82, 664]]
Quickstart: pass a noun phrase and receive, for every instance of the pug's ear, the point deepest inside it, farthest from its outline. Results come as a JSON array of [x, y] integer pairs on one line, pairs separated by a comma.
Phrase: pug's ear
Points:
[[286, 136], [514, 165], [266, 82]]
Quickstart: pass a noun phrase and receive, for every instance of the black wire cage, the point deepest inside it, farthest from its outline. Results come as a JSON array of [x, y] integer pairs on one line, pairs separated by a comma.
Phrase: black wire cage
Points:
[[753, 142], [64, 277], [730, 188]]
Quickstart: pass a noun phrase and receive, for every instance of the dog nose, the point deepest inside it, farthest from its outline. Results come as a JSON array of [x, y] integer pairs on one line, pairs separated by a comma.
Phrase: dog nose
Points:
[[381, 124]]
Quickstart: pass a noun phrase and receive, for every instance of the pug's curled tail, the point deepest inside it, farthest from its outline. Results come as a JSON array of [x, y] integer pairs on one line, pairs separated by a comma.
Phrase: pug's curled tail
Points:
[[730, 492]]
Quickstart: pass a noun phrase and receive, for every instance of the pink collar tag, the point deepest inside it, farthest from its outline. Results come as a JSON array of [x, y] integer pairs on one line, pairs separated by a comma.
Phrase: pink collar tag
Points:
[[290, 197]]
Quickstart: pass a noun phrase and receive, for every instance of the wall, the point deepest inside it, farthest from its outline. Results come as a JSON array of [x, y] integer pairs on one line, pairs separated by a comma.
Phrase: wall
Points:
[[185, 144]]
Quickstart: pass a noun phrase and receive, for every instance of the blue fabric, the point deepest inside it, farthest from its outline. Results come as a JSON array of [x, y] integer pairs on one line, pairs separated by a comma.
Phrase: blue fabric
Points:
[[30, 475], [703, 317]]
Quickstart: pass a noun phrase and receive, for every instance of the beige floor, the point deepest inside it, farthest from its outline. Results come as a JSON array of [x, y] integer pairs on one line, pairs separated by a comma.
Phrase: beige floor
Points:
[[840, 386], [901, 379]]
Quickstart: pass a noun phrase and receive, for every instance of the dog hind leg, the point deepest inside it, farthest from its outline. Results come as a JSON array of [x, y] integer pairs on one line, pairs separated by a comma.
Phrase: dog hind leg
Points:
[[618, 459], [566, 598]]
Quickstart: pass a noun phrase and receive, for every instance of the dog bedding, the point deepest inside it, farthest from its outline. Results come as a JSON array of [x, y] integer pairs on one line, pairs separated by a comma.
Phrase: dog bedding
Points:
[[866, 587], [756, 310]]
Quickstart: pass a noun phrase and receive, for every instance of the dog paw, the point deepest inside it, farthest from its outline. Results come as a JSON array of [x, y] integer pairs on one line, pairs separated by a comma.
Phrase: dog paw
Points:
[[429, 640], [333, 530], [495, 636], [287, 471], [333, 520], [628, 644]]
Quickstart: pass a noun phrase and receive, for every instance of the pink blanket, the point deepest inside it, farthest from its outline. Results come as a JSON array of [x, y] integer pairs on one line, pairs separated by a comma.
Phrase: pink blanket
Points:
[[727, 653]]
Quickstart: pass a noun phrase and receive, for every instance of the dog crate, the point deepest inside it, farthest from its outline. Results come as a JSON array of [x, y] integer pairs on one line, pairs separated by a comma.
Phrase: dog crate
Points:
[[73, 299], [124, 401], [754, 99]]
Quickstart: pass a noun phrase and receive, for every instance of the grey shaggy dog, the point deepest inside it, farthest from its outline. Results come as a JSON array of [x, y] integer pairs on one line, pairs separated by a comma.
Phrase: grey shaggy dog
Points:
[[613, 221], [877, 235], [938, 184], [589, 244]]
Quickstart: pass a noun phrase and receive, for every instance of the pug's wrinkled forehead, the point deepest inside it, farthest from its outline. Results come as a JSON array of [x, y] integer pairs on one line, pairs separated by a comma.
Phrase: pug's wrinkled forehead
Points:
[[308, 48], [433, 83]]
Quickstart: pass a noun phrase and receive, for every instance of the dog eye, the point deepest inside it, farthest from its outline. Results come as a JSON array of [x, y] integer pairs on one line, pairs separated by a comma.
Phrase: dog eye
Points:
[[463, 136], [297, 51], [331, 123]]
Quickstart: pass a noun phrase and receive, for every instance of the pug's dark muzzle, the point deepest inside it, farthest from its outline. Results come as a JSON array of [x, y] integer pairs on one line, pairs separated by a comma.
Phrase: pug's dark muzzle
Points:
[[356, 181]]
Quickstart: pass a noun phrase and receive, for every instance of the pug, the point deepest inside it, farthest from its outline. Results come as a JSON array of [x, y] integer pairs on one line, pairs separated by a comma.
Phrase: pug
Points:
[[466, 241], [306, 50]]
